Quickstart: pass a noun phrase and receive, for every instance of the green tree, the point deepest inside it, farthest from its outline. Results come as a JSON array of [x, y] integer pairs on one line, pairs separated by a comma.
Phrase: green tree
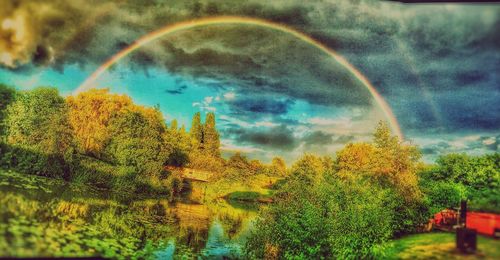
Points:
[[278, 167], [309, 169], [442, 195], [321, 220], [179, 142], [38, 130], [137, 141], [393, 165], [383, 138], [211, 140], [387, 161], [479, 175], [196, 132], [7, 95]]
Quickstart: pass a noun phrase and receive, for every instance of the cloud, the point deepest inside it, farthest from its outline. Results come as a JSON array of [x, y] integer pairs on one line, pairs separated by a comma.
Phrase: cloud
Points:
[[232, 122], [208, 100], [206, 104], [318, 138], [261, 105], [435, 65], [344, 139], [49, 32], [322, 121], [229, 95], [178, 90], [470, 144], [277, 138], [265, 124]]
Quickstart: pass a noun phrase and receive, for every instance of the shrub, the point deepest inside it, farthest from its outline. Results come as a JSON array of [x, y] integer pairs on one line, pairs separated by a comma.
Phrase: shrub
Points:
[[441, 194], [461, 176], [332, 219], [30, 162]]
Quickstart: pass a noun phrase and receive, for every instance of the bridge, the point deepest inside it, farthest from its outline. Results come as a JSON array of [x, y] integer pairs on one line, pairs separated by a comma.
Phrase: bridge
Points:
[[191, 174]]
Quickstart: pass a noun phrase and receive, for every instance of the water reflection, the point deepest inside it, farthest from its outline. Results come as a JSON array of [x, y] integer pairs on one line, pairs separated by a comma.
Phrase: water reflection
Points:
[[45, 217]]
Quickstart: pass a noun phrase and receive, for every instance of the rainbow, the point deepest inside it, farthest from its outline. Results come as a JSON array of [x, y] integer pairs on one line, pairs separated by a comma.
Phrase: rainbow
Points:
[[172, 28]]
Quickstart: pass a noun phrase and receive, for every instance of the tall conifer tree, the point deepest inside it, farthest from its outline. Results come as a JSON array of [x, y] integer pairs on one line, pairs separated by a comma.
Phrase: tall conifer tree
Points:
[[211, 136], [196, 132]]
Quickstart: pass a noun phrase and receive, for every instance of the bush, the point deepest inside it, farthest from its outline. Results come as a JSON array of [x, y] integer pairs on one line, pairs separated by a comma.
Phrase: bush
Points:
[[408, 216], [442, 195], [93, 172], [330, 220], [29, 162], [36, 133], [457, 176]]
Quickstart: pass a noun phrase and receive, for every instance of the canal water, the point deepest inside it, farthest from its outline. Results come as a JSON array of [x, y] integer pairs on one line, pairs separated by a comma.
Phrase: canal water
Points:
[[45, 217]]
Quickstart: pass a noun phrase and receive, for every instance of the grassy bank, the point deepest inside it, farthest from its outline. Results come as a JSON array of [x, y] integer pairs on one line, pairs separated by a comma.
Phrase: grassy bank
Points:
[[439, 246]]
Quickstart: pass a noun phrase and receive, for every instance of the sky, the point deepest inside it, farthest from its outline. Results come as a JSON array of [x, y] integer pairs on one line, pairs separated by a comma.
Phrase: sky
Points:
[[436, 65]]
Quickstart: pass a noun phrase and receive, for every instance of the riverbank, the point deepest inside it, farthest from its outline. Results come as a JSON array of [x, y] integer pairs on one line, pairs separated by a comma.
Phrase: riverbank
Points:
[[48, 217], [439, 246]]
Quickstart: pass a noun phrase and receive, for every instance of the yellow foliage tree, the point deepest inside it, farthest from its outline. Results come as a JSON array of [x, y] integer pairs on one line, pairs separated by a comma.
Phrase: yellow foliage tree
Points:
[[89, 115], [388, 160]]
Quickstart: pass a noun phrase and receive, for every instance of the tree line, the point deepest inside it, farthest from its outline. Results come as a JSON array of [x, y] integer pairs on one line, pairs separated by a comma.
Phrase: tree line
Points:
[[331, 207], [351, 205], [106, 140]]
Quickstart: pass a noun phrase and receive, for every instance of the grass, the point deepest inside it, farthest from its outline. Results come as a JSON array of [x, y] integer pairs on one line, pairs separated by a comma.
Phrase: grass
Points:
[[439, 246], [250, 196]]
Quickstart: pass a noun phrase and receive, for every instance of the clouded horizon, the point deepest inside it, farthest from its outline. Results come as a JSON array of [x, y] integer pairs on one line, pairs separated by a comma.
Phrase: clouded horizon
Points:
[[436, 65]]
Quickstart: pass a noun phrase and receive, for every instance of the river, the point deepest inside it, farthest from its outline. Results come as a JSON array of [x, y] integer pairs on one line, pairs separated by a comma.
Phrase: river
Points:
[[46, 217]]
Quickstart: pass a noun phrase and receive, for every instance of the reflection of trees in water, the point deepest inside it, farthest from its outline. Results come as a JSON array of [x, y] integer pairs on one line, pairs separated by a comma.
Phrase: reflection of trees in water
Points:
[[192, 222], [207, 229], [193, 238], [84, 219], [231, 224]]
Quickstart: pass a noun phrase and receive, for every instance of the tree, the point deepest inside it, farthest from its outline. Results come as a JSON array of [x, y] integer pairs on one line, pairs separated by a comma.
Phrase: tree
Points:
[[309, 168], [196, 132], [383, 138], [359, 158], [211, 140], [393, 165], [6, 97], [278, 167], [174, 125], [179, 142], [136, 140], [328, 219], [387, 161], [479, 175], [239, 162], [38, 130], [90, 115]]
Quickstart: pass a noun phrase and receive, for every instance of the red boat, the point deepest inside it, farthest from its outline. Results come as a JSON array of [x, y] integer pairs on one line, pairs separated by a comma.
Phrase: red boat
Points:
[[484, 223]]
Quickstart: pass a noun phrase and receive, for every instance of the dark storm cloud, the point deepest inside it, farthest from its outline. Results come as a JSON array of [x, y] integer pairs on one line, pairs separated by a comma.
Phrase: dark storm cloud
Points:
[[317, 138], [249, 59], [422, 115], [410, 52], [261, 105], [470, 77], [462, 110], [278, 138]]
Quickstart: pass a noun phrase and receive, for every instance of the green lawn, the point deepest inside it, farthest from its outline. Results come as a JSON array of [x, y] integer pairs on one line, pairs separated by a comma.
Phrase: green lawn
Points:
[[439, 246]]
